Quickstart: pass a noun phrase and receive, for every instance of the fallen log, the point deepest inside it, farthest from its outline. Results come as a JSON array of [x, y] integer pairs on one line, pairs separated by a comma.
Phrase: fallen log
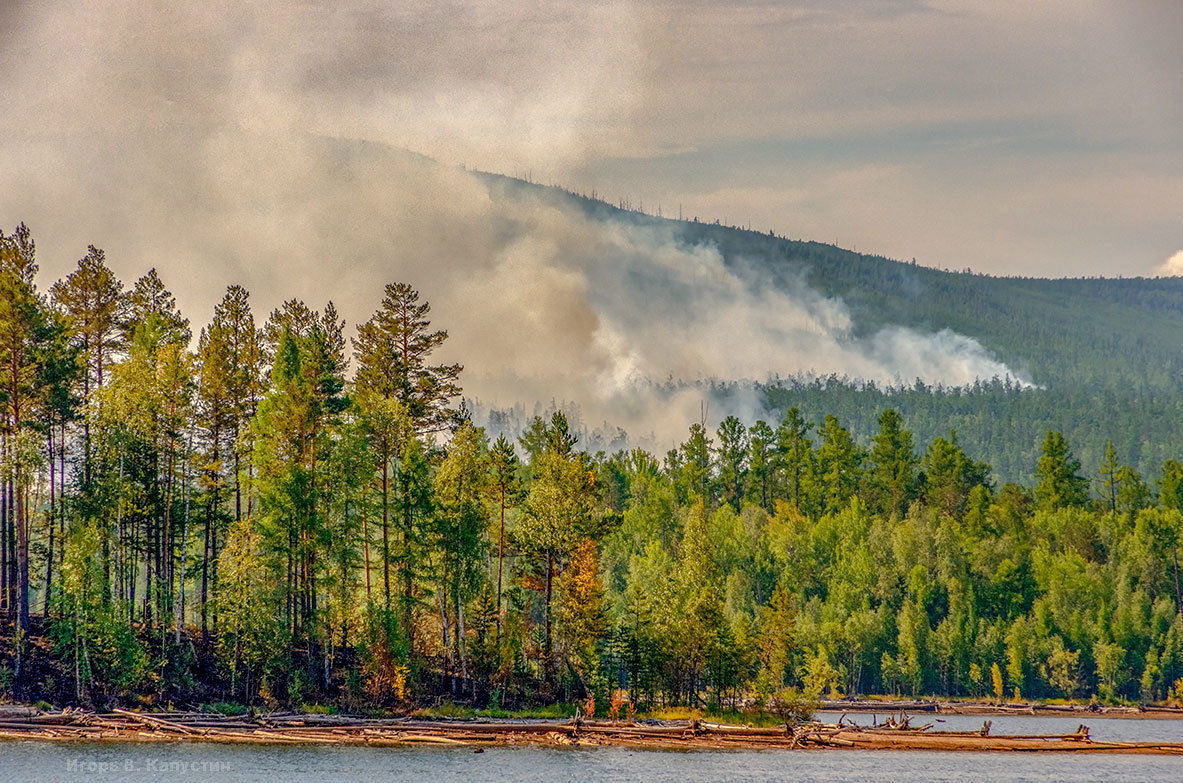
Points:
[[296, 729], [155, 722]]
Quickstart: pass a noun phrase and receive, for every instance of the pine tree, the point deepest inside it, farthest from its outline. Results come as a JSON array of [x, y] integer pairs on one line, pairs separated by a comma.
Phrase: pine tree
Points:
[[839, 466], [892, 475], [240, 346], [149, 297], [23, 330], [794, 456], [216, 417], [57, 380], [1109, 482], [392, 351], [1060, 483], [762, 463], [385, 426], [503, 464], [950, 475], [695, 465], [283, 434], [94, 303], [733, 460]]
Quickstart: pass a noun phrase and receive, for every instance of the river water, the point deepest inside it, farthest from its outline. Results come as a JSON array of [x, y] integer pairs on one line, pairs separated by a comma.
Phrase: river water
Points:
[[1109, 729], [52, 762]]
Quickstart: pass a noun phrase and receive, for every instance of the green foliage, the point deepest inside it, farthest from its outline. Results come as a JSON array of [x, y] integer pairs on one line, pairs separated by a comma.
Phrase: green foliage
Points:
[[299, 536], [251, 638], [1060, 483], [107, 661]]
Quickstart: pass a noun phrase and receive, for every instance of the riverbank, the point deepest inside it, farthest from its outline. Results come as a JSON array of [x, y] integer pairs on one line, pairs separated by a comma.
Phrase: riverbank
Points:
[[988, 709], [895, 733]]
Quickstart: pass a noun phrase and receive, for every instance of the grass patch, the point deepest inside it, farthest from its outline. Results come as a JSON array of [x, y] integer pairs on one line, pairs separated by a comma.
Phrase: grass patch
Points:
[[453, 710], [730, 715], [319, 709], [225, 708]]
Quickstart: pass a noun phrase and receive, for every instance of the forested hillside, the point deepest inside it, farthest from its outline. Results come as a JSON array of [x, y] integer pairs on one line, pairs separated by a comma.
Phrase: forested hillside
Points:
[[238, 512], [1105, 354]]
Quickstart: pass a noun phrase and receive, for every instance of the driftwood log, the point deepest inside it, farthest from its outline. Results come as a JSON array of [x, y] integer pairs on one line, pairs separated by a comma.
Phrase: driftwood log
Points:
[[294, 728]]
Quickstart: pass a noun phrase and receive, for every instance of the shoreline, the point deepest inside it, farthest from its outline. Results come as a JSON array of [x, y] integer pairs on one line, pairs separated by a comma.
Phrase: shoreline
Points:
[[989, 709], [478, 734]]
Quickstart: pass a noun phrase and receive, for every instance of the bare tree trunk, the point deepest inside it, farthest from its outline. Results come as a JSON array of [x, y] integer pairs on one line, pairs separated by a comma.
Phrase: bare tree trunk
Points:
[[460, 638], [500, 560], [179, 614], [365, 541], [386, 530], [52, 520], [446, 636]]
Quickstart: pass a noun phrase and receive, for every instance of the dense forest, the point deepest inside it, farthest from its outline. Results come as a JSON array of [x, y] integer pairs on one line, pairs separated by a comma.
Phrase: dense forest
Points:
[[1104, 354], [266, 512]]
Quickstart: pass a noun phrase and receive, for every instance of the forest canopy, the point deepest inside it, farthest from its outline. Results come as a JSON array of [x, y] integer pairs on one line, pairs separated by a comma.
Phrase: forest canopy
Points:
[[264, 511]]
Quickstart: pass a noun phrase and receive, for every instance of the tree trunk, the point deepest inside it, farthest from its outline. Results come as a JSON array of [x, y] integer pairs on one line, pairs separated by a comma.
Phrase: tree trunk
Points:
[[52, 520], [205, 556], [500, 560], [5, 604], [22, 554], [365, 542], [549, 648], [386, 530], [179, 614]]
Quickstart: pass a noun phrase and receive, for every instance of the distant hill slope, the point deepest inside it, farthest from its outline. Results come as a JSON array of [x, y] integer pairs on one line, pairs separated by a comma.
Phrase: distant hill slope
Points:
[[1107, 352], [1117, 332], [1113, 332]]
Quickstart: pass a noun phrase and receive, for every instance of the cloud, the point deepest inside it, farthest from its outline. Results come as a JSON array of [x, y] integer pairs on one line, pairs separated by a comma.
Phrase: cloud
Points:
[[1172, 267]]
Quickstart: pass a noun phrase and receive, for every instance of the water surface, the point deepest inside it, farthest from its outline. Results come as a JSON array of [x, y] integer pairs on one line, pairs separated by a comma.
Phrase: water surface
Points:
[[1100, 728], [48, 762]]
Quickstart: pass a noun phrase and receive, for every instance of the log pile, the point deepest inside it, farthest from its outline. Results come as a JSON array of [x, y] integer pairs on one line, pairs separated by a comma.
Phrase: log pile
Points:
[[1004, 708], [297, 728]]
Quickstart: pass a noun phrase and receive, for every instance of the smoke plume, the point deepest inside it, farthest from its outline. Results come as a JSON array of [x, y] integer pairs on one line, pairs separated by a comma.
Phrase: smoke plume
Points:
[[1172, 267], [197, 144]]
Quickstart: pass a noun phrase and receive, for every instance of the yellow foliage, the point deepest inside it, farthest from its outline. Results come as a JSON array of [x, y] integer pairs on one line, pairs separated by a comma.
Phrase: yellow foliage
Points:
[[1175, 696], [996, 681]]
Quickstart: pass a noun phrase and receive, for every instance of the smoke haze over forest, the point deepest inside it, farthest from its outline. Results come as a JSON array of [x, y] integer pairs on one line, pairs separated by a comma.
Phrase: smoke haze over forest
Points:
[[263, 146]]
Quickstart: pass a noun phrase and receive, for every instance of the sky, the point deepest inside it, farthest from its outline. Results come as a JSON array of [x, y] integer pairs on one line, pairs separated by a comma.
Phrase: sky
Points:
[[1008, 137], [257, 143]]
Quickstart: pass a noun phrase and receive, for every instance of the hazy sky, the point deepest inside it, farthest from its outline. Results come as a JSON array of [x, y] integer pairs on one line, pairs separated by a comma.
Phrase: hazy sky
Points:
[[257, 143], [1010, 137]]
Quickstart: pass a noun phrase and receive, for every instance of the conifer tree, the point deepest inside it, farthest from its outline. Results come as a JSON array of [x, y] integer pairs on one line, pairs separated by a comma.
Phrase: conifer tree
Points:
[[762, 463], [393, 351], [503, 464], [839, 465], [557, 515], [149, 297], [950, 475], [238, 346], [94, 303], [461, 525], [892, 475], [22, 330], [794, 456], [1059, 481], [733, 460]]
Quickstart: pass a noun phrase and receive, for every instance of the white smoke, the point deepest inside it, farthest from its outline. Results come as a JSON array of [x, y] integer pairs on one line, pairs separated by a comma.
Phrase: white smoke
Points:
[[199, 140], [1172, 267]]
